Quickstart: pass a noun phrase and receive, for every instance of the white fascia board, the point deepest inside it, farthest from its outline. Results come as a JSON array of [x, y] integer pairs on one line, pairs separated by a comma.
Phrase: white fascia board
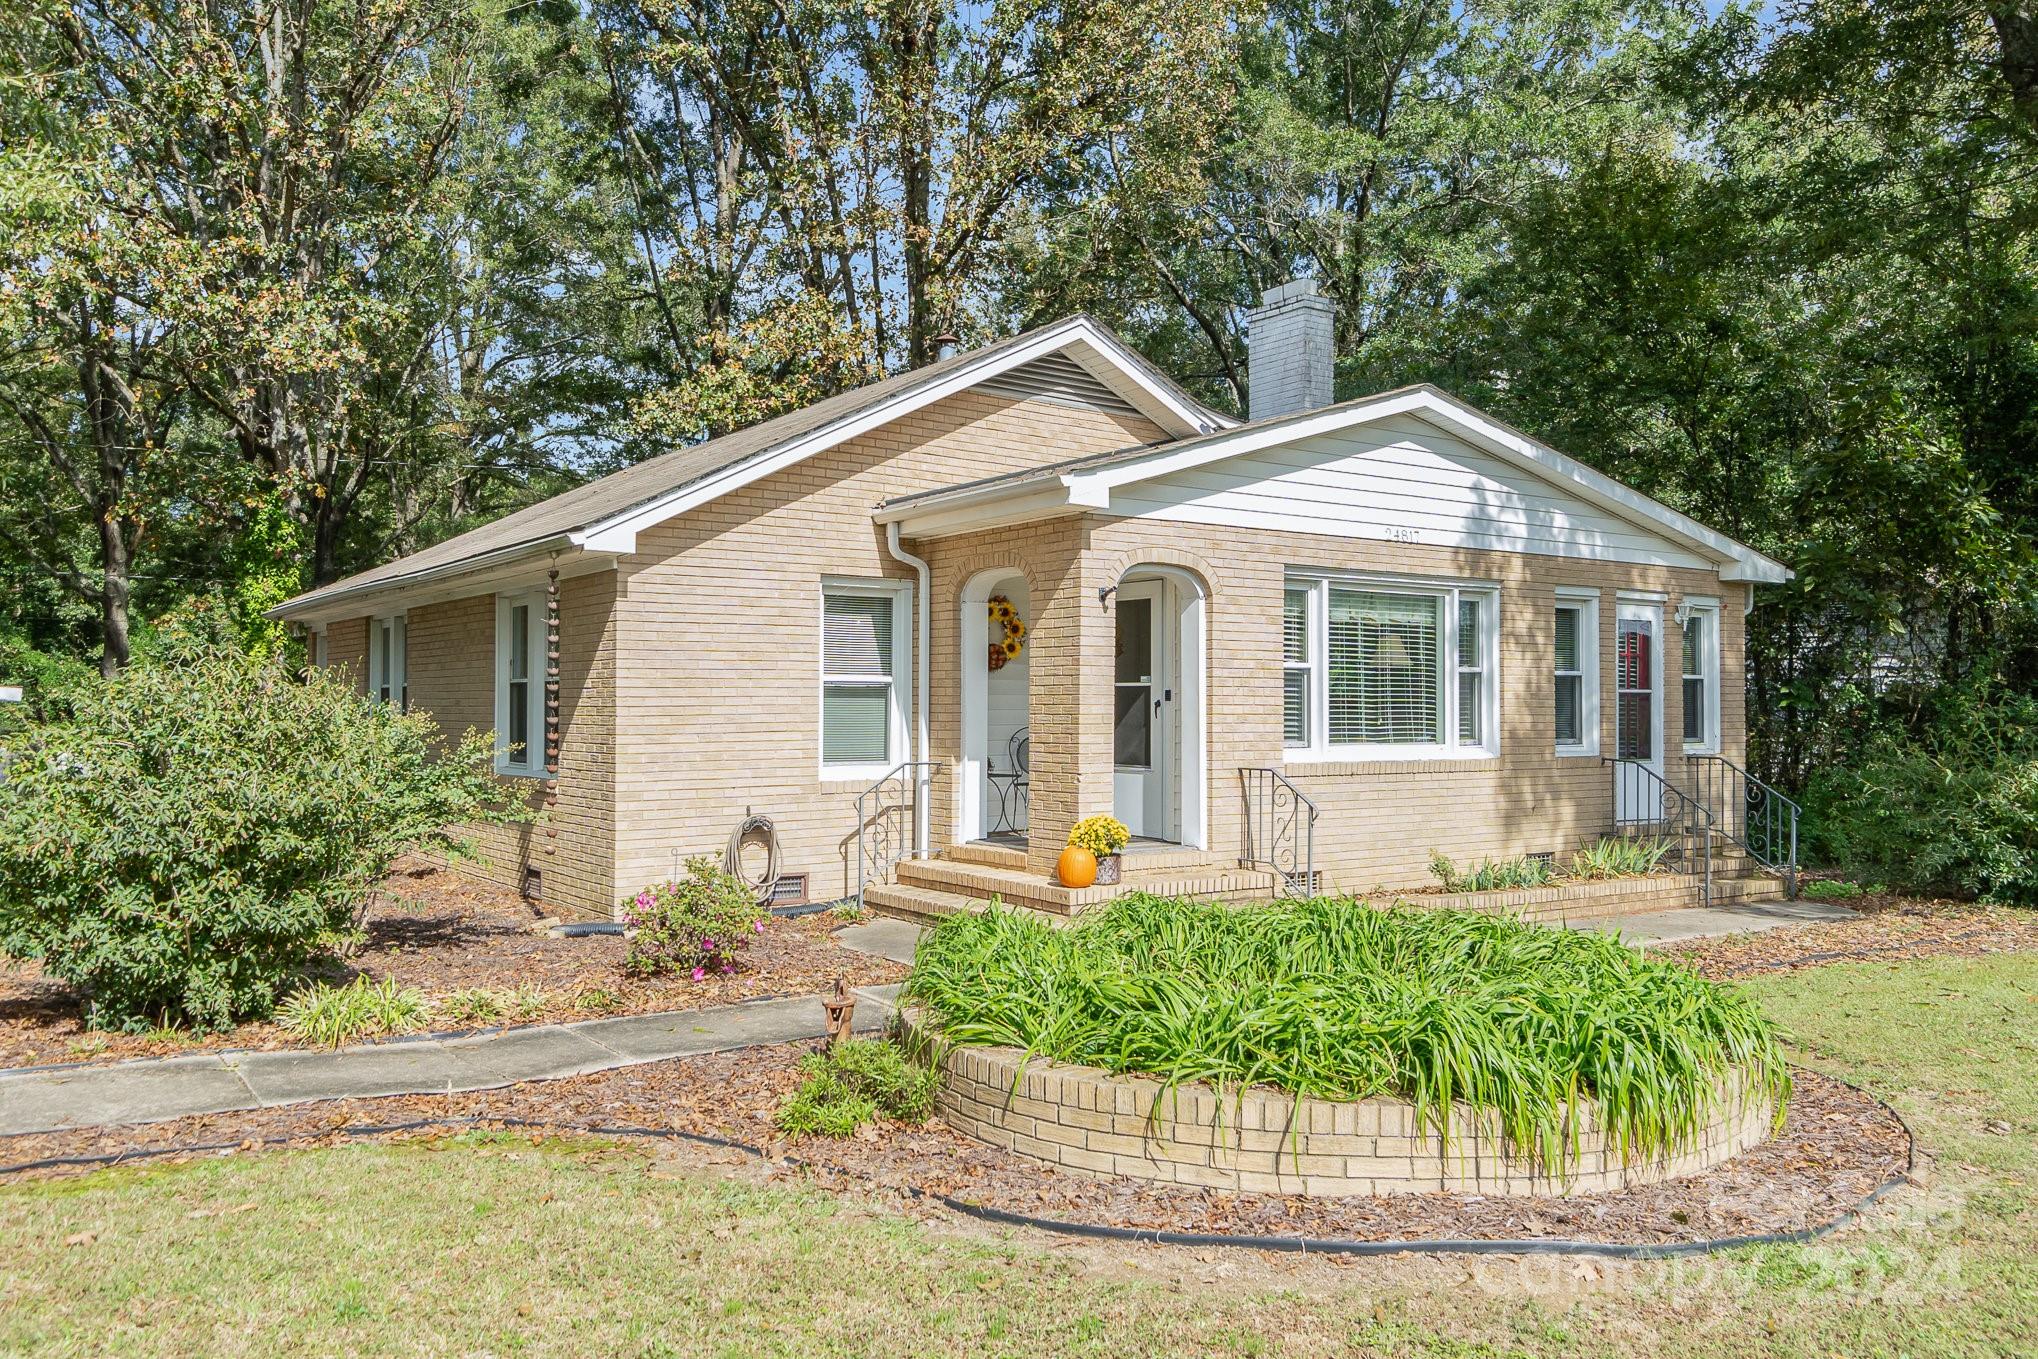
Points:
[[511, 569], [1126, 374], [1736, 561], [1048, 500], [618, 533]]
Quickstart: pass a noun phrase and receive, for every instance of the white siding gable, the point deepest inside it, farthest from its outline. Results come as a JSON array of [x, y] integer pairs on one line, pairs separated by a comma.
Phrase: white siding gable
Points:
[[1401, 479]]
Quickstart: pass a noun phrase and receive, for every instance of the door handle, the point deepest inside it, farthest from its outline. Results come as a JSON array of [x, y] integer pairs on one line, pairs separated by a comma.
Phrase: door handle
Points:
[[1156, 707]]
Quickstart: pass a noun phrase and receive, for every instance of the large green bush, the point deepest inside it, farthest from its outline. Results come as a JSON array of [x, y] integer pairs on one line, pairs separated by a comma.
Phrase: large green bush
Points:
[[1951, 808], [195, 832]]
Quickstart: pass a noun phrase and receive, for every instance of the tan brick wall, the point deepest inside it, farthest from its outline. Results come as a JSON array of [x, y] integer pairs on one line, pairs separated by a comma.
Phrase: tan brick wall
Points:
[[451, 673], [1379, 820], [1088, 1121], [718, 621]]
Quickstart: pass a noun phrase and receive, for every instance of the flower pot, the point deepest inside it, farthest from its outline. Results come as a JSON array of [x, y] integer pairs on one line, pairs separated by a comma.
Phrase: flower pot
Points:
[[1077, 867], [1107, 870]]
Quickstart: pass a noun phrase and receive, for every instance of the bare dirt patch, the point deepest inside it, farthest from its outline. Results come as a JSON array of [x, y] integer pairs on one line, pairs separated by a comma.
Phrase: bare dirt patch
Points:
[[1837, 1145], [443, 933]]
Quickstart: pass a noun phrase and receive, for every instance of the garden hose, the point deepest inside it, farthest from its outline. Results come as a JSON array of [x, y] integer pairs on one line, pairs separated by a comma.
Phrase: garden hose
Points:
[[1617, 1250], [732, 857]]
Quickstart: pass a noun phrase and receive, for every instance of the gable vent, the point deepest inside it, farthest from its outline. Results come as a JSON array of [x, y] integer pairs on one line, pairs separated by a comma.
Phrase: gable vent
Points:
[[1058, 379]]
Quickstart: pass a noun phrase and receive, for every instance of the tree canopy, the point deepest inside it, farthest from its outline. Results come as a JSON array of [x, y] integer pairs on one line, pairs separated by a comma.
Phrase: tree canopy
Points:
[[287, 286]]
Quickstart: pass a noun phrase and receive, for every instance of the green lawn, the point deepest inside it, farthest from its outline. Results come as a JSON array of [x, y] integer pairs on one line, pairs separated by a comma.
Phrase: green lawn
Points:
[[495, 1247]]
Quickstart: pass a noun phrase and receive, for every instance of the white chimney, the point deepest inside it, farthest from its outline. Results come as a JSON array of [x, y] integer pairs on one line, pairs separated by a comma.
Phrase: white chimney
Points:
[[1289, 351]]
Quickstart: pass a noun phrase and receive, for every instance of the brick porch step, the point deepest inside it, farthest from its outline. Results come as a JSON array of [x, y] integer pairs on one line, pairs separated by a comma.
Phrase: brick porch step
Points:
[[929, 906], [1024, 887]]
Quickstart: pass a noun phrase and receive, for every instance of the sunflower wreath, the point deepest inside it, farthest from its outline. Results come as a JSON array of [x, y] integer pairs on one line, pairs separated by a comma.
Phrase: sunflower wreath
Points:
[[1006, 618]]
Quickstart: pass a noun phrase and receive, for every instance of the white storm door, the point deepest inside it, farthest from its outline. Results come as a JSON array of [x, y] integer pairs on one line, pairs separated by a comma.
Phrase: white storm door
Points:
[[1142, 742], [1638, 713]]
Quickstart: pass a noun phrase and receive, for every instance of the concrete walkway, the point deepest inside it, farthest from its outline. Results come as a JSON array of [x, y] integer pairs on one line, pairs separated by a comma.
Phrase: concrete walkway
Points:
[[154, 1090], [883, 936], [1672, 927]]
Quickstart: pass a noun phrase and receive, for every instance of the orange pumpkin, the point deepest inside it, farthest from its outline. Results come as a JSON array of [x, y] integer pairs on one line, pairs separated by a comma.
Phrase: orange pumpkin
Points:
[[1077, 867]]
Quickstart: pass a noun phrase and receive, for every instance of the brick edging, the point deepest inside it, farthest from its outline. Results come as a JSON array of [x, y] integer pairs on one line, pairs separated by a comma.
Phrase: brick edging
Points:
[[1089, 1121]]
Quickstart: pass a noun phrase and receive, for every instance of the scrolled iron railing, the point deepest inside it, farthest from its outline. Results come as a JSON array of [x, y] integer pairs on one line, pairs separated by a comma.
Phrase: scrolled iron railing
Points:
[[1749, 813], [1280, 829], [887, 817], [1647, 804]]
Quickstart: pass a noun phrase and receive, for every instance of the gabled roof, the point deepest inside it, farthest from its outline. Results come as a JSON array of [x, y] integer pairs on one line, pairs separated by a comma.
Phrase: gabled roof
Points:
[[1085, 484], [605, 516]]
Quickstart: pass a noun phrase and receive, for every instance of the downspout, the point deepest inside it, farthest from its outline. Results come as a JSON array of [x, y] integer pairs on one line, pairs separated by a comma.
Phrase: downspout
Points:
[[923, 630]]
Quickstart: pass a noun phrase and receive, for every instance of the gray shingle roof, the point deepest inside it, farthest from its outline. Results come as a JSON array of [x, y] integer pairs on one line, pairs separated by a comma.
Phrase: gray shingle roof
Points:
[[584, 506]]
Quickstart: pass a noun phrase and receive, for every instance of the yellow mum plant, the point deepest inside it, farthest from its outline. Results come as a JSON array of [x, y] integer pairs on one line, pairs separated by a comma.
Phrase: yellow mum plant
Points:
[[1101, 835]]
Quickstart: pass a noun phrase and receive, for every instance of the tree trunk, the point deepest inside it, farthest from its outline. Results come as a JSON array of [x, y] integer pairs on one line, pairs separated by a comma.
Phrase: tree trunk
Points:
[[2016, 23], [113, 596]]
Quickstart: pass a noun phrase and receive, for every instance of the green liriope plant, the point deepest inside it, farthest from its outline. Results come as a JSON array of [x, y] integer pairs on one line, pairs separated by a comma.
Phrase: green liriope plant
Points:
[[328, 1014], [1618, 856], [1335, 999], [852, 1083], [1491, 875]]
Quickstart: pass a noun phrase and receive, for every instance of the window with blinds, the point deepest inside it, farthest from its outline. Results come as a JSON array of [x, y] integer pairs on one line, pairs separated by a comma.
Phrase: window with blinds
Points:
[[1383, 669], [1295, 667], [1570, 719], [520, 684], [1700, 674], [387, 637], [858, 664], [1366, 666]]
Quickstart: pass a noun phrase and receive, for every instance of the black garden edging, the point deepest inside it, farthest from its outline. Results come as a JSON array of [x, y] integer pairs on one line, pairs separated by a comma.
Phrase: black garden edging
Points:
[[1306, 1245]]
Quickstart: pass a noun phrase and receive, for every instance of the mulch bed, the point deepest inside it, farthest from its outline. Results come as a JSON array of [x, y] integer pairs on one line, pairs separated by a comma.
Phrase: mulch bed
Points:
[[440, 932], [1890, 929], [1838, 1145]]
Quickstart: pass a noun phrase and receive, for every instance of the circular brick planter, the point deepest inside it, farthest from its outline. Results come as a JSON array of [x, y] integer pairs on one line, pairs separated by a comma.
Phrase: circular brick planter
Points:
[[1087, 1120]]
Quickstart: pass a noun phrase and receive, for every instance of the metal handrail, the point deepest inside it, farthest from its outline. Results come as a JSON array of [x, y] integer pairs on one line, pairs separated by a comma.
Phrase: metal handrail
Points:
[[1280, 829], [1766, 826], [887, 834], [1693, 824]]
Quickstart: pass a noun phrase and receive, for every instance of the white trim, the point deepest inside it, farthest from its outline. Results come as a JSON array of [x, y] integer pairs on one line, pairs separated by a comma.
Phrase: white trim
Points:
[[1708, 742], [898, 740], [1088, 342], [1091, 487], [532, 763], [923, 634], [318, 649], [1322, 749], [397, 625], [973, 639], [1189, 617], [1649, 612], [1586, 602], [510, 570]]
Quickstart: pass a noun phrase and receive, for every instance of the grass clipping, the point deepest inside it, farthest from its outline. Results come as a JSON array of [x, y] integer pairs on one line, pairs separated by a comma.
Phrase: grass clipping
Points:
[[1335, 999]]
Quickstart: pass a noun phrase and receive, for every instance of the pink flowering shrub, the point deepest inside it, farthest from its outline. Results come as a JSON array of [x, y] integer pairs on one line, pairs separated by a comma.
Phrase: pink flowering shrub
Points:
[[696, 925]]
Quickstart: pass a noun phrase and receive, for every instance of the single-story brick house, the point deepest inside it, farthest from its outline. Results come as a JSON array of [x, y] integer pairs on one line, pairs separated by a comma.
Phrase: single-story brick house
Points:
[[1329, 640]]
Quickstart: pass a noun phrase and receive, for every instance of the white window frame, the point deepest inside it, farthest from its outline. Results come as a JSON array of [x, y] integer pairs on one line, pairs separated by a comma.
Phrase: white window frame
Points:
[[397, 680], [1449, 592], [1586, 602], [1708, 672], [899, 739], [320, 653], [531, 763]]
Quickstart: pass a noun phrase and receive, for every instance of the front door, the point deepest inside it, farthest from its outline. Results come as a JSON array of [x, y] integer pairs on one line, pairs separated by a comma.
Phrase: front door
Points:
[[1638, 714], [1142, 712]]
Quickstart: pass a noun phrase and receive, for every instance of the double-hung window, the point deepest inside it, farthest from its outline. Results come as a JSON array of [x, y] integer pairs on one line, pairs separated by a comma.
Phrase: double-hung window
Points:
[[865, 649], [1701, 676], [1388, 669], [520, 684], [1575, 660], [388, 666]]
